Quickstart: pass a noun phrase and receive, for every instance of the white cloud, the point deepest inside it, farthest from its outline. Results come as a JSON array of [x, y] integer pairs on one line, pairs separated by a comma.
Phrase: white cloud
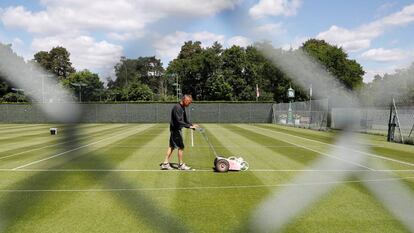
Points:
[[70, 23], [349, 40], [86, 53], [370, 73], [191, 8], [20, 48], [271, 29], [75, 17], [121, 16], [361, 37], [239, 41], [385, 69], [169, 46], [384, 55], [297, 42], [384, 8], [126, 36], [274, 8]]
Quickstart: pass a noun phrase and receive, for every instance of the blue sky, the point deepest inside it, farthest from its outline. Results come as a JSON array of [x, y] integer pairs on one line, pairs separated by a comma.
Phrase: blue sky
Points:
[[376, 33]]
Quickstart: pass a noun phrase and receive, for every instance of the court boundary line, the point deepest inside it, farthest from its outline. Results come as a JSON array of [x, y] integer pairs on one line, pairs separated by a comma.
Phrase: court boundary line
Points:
[[340, 147], [75, 149], [207, 187], [202, 170]]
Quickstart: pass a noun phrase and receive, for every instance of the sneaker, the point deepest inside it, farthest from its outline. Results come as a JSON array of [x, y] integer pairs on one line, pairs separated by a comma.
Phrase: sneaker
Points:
[[166, 166], [183, 167]]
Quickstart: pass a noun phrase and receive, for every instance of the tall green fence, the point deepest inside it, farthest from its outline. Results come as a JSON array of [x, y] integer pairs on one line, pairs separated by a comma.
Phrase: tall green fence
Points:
[[145, 113], [375, 120]]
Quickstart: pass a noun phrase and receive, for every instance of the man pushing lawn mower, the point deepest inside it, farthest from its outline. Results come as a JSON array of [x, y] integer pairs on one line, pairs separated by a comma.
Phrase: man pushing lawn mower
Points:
[[178, 121]]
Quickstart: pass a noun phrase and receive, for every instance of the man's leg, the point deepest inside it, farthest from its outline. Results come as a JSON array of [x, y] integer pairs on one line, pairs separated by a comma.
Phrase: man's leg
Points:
[[180, 156], [182, 165], [169, 153]]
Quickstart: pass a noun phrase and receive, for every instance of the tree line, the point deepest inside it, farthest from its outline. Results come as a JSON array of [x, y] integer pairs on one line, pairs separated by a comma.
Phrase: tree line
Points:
[[207, 73]]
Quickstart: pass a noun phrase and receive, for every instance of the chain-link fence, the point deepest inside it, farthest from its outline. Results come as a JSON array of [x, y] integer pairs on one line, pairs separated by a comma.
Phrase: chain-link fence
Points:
[[376, 120], [308, 114], [145, 113]]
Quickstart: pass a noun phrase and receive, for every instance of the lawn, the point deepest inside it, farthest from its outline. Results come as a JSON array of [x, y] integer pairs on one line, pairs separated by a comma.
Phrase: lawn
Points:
[[106, 178]]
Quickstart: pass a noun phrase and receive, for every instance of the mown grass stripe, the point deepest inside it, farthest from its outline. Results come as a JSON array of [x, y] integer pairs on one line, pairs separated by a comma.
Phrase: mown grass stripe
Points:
[[68, 151], [295, 153], [83, 136], [214, 187], [323, 136], [40, 132], [24, 130], [357, 151], [6, 127], [140, 155]]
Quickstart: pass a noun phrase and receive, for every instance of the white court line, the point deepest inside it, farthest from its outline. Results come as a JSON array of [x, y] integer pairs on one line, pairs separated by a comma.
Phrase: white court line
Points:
[[361, 152], [204, 187], [40, 148], [75, 149], [202, 170], [208, 147], [322, 153]]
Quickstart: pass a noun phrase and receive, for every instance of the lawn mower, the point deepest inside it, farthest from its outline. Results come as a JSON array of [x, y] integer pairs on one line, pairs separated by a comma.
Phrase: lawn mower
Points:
[[223, 164]]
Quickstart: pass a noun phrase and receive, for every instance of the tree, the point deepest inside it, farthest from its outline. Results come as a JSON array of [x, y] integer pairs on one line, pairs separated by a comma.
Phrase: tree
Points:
[[210, 69], [383, 89], [151, 73], [234, 63], [56, 61], [92, 85], [146, 70], [137, 91], [14, 97], [188, 67], [4, 87], [9, 59], [218, 88], [336, 61]]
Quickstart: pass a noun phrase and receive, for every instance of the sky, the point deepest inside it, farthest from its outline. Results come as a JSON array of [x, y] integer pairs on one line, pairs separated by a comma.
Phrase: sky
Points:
[[376, 33]]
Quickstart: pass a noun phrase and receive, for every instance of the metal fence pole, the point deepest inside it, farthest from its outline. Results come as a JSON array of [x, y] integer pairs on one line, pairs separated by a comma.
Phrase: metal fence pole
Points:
[[156, 112], [219, 114]]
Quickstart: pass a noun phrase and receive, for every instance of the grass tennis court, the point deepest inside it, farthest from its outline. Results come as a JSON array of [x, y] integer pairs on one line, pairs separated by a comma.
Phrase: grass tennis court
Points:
[[106, 178]]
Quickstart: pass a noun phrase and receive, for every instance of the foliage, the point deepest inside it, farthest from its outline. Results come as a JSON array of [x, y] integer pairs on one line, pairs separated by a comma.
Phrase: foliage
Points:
[[383, 89], [188, 66], [218, 88], [336, 61], [4, 87], [136, 91], [146, 70], [56, 61], [92, 86], [208, 73], [14, 97]]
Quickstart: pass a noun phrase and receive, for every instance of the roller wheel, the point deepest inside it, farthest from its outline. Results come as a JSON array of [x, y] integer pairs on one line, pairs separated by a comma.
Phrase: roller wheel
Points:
[[222, 165], [244, 166]]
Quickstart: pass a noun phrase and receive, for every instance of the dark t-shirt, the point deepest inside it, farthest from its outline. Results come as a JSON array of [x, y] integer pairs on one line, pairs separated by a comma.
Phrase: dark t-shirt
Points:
[[178, 118]]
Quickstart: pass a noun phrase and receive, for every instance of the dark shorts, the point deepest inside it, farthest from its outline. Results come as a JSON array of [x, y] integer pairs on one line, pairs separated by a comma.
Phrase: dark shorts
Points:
[[176, 139]]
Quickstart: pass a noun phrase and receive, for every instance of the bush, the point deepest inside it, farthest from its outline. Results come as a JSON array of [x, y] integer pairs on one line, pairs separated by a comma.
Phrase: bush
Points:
[[14, 97]]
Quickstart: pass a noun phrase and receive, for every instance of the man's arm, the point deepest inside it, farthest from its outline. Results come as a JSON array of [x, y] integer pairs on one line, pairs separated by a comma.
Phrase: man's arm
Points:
[[193, 126], [180, 118]]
